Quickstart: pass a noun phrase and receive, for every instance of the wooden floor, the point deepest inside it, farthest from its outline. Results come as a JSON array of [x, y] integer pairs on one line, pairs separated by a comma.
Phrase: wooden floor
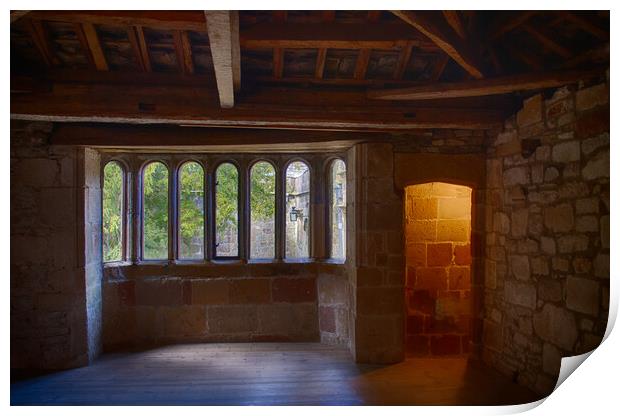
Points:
[[267, 374]]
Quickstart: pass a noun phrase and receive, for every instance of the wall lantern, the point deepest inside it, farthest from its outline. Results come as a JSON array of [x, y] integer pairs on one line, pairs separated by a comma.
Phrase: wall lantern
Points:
[[295, 214]]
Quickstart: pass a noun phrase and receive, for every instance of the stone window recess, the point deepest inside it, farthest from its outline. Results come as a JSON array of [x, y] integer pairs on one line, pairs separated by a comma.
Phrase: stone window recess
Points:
[[209, 207]]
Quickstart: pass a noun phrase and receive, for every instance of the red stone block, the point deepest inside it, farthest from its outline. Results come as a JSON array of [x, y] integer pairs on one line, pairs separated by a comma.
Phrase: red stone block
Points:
[[446, 345], [432, 279], [462, 254], [327, 319], [440, 326], [465, 341], [439, 254], [415, 324], [421, 301], [417, 345], [459, 278], [294, 290], [127, 293], [411, 277]]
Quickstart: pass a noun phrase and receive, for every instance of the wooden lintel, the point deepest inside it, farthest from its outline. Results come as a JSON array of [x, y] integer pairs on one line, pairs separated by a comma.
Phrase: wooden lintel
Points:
[[277, 108], [94, 47], [444, 37], [110, 135], [475, 88], [221, 25]]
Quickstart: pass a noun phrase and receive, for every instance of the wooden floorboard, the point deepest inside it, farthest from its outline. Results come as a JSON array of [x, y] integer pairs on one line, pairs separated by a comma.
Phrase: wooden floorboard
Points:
[[267, 374]]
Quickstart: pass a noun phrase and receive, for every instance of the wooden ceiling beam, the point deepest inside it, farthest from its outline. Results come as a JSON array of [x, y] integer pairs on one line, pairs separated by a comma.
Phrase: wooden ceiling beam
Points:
[[476, 88], [454, 20], [282, 109], [439, 67], [330, 34], [444, 37], [547, 41], [183, 50], [94, 47], [221, 25], [585, 23], [18, 14], [79, 32], [361, 64], [509, 23], [403, 59], [139, 47], [168, 19], [40, 38], [319, 68]]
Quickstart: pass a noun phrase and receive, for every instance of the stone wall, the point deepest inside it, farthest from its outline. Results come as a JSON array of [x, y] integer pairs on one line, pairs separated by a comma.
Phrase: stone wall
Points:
[[334, 306], [547, 240], [438, 259], [49, 276], [150, 305]]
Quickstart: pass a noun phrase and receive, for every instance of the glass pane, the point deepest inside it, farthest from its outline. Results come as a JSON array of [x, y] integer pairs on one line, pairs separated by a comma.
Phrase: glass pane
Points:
[[155, 188], [262, 211], [226, 211], [112, 212], [191, 211], [297, 210], [339, 209]]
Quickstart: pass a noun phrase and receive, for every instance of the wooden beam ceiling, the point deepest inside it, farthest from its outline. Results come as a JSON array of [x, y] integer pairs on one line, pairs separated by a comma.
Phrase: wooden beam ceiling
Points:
[[477, 88], [94, 47], [273, 108], [221, 26], [547, 40], [445, 38], [509, 23]]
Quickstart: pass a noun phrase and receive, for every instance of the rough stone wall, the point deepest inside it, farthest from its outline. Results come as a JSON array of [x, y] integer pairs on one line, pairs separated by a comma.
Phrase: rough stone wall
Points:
[[48, 316], [151, 305], [547, 241], [438, 258], [378, 266]]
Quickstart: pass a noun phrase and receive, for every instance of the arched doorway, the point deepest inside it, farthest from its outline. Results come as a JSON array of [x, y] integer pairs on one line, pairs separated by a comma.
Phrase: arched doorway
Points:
[[438, 269]]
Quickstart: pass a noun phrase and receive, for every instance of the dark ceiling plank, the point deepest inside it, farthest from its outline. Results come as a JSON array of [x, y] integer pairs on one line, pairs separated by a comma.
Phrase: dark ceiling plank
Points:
[[79, 31], [283, 108], [585, 23], [444, 37], [374, 15], [361, 64], [111, 135], [94, 46], [403, 59], [547, 41], [140, 50], [169, 19], [595, 56], [509, 23], [39, 35], [533, 62], [220, 25], [454, 20], [474, 88]]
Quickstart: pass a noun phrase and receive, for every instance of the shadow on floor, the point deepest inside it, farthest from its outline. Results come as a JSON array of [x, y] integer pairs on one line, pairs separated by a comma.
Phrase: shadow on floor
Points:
[[267, 374]]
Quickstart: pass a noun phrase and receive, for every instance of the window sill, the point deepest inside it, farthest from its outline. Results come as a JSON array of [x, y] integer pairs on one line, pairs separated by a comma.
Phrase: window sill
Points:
[[111, 264]]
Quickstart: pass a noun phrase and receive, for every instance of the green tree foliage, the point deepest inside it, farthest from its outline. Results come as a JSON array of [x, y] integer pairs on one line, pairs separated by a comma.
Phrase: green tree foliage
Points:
[[191, 211], [226, 209], [112, 208], [155, 183]]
